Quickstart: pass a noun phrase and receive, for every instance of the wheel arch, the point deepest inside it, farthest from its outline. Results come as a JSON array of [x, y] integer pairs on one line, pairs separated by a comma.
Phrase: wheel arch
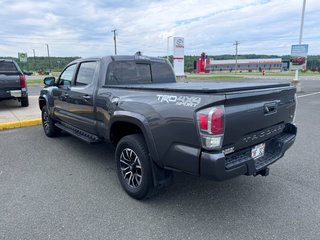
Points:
[[125, 123], [42, 102], [45, 100]]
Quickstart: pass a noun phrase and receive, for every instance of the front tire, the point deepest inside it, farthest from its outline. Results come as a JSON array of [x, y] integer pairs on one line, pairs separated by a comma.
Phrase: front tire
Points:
[[134, 166], [48, 124]]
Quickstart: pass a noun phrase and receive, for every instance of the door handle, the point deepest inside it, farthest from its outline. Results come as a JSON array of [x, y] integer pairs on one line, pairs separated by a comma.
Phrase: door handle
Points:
[[66, 95], [270, 108], [86, 97]]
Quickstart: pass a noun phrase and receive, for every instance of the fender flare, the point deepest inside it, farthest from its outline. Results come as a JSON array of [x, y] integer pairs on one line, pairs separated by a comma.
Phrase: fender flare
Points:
[[140, 121], [46, 98]]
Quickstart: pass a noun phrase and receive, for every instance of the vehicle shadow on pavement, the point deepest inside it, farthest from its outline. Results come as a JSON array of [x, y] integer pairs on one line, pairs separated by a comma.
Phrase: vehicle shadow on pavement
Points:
[[187, 193], [184, 187], [9, 105]]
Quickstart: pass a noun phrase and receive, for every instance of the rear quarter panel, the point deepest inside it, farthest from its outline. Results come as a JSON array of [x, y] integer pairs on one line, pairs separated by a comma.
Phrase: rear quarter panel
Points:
[[170, 117]]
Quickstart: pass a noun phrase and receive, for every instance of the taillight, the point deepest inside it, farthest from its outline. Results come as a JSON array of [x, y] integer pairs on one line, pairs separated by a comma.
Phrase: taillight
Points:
[[203, 122], [211, 127], [217, 121], [22, 81]]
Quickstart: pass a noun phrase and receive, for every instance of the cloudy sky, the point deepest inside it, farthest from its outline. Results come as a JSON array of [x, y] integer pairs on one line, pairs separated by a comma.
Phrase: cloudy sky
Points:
[[83, 28]]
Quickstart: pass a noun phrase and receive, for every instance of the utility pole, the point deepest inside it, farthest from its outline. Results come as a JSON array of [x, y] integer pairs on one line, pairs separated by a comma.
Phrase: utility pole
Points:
[[115, 41], [296, 81], [34, 60], [236, 66], [168, 47], [49, 58]]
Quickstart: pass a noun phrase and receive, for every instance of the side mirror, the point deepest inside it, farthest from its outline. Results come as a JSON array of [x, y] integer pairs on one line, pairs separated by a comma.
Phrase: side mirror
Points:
[[49, 81], [27, 73]]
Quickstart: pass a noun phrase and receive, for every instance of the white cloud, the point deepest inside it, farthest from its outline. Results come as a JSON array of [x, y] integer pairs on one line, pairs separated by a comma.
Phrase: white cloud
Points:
[[83, 28]]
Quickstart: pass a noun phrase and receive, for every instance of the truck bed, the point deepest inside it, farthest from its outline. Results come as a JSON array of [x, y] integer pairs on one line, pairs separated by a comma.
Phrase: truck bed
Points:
[[200, 87]]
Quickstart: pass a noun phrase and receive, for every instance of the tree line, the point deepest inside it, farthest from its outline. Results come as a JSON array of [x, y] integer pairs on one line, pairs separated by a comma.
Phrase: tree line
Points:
[[36, 64], [56, 64]]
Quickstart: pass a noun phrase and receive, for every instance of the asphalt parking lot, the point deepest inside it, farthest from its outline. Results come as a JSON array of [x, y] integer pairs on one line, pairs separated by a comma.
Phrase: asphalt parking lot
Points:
[[62, 188]]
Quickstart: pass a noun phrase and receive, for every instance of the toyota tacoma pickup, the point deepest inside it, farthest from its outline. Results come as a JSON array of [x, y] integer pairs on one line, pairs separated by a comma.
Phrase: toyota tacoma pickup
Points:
[[158, 125], [13, 82]]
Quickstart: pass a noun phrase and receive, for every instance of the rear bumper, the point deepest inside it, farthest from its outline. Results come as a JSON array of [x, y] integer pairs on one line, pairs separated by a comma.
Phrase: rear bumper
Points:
[[13, 94], [219, 167]]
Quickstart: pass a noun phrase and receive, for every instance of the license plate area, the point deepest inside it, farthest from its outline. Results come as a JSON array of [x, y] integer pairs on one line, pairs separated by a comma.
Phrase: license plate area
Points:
[[258, 151]]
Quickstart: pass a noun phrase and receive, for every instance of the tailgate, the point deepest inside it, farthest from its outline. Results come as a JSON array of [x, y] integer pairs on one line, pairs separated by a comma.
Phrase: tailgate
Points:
[[252, 117], [8, 82]]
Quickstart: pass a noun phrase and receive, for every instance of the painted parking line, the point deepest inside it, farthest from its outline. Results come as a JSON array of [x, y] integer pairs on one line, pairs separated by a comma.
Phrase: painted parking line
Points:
[[310, 94]]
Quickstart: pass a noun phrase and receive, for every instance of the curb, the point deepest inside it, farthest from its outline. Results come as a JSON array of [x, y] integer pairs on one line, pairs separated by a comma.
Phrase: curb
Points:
[[19, 124]]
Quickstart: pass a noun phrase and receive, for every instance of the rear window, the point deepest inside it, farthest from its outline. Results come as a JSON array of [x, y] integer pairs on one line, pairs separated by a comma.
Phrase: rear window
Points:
[[8, 67], [128, 72], [162, 72], [132, 72]]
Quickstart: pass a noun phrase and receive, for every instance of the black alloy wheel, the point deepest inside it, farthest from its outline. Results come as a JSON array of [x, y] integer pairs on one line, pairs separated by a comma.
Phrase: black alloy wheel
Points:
[[134, 166]]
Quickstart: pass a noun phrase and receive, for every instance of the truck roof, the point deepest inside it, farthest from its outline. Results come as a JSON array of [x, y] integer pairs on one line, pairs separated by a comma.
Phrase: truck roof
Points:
[[6, 60], [123, 58]]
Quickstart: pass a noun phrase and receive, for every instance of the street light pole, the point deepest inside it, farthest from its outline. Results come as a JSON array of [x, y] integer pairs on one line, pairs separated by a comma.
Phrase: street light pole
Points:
[[34, 60], [168, 47], [115, 40], [48, 58], [236, 44], [296, 81]]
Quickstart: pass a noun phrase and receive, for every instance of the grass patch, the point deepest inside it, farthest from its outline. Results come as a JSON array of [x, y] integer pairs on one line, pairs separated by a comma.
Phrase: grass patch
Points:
[[35, 82], [279, 74], [204, 77], [55, 74]]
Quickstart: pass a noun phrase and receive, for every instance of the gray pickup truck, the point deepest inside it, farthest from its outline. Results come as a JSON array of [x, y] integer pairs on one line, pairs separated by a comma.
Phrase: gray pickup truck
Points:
[[214, 130], [13, 82]]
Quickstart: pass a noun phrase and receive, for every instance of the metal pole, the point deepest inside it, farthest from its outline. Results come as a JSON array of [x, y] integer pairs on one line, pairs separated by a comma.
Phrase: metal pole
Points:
[[302, 21], [296, 81], [34, 60], [115, 41], [49, 58], [168, 47], [236, 66]]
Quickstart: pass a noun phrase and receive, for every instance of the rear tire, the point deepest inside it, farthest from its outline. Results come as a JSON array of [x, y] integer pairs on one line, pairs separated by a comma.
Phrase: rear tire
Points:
[[48, 124], [24, 102], [134, 166]]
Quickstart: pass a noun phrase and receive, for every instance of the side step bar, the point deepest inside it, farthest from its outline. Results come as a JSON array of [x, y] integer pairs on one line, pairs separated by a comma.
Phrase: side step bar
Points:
[[83, 135]]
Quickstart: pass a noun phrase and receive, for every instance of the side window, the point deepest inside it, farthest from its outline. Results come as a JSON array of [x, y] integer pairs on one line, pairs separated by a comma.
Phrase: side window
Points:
[[66, 76], [86, 73]]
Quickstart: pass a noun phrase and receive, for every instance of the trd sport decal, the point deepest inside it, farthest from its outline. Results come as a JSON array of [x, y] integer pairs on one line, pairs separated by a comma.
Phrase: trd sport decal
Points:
[[180, 100]]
